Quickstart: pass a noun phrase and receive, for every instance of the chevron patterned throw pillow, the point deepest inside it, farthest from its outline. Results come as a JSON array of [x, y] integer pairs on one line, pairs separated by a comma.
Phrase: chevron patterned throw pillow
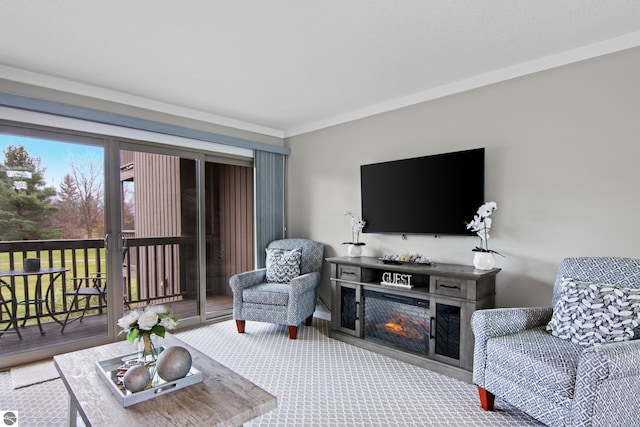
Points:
[[283, 265], [595, 313]]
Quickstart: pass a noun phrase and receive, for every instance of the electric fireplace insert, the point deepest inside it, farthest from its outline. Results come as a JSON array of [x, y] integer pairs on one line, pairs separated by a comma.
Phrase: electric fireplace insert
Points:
[[398, 321]]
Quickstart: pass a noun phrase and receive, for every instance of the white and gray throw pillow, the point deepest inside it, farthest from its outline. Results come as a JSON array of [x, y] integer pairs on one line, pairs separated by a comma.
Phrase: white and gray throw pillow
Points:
[[595, 313], [283, 265]]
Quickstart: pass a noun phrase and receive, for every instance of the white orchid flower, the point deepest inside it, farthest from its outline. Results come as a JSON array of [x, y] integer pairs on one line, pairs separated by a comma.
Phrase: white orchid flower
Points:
[[475, 224], [357, 224], [481, 224], [487, 209]]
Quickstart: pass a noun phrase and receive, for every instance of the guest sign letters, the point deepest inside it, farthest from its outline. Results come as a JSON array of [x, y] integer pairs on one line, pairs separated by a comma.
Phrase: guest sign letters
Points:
[[396, 279]]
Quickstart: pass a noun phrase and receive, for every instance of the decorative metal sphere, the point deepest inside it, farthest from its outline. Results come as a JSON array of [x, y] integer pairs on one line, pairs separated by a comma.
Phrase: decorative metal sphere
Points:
[[136, 378], [174, 363]]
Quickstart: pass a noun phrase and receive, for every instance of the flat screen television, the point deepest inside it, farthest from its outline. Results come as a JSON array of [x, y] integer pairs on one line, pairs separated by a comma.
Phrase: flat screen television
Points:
[[424, 195]]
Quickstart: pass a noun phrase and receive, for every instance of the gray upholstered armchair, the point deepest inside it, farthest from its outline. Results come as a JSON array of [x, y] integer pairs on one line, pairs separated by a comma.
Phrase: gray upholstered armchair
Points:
[[285, 292], [561, 374]]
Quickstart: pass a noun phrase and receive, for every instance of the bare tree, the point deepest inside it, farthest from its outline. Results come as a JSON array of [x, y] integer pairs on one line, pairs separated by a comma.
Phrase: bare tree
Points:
[[88, 179]]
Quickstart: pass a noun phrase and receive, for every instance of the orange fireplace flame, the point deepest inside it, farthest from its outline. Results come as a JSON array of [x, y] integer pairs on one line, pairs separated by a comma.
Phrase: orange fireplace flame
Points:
[[415, 330]]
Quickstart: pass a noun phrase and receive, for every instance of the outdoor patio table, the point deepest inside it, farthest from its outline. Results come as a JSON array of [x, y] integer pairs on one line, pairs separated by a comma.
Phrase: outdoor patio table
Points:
[[7, 276]]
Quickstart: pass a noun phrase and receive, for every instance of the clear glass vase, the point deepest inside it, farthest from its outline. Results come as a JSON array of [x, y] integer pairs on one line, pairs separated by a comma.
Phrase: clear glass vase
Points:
[[147, 353]]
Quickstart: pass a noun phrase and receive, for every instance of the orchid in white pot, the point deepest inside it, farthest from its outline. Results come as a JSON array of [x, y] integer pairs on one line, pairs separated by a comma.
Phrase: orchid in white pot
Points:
[[481, 225], [357, 224]]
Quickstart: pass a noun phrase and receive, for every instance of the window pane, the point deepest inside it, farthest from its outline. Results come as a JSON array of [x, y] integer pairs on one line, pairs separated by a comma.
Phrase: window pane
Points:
[[229, 231], [160, 223], [51, 241]]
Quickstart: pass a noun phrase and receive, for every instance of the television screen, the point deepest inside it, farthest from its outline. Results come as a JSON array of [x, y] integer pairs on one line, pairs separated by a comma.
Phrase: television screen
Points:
[[425, 195]]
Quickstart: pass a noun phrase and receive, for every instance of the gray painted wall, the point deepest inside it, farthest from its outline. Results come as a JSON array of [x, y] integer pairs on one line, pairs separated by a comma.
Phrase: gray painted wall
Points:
[[562, 153]]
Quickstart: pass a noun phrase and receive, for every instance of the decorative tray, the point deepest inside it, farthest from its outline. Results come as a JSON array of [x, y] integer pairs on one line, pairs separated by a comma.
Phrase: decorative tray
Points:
[[411, 259], [111, 372], [394, 262]]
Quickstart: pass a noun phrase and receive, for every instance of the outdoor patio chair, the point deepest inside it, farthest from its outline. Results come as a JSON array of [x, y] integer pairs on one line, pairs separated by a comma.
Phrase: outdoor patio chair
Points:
[[93, 286], [10, 307], [285, 292]]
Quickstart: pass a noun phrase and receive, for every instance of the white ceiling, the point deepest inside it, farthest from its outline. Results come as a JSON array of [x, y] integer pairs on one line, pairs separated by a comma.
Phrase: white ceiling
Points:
[[285, 67]]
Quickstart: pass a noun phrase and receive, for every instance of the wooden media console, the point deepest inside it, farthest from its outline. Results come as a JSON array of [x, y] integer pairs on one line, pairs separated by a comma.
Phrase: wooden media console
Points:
[[418, 313]]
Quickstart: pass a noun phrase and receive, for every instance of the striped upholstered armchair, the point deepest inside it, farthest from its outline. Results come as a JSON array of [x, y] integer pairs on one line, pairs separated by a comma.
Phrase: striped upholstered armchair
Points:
[[285, 292], [575, 363]]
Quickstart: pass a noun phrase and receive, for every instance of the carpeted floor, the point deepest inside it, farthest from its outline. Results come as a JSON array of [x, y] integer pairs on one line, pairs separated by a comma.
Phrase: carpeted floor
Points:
[[321, 381], [318, 382], [43, 404]]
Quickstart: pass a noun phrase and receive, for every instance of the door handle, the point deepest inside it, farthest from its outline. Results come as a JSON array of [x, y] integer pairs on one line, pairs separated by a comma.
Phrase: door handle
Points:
[[432, 321]]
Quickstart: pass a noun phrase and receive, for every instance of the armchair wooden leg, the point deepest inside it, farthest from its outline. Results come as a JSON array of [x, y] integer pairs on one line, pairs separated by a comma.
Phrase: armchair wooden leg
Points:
[[486, 399], [309, 320], [293, 332], [240, 326]]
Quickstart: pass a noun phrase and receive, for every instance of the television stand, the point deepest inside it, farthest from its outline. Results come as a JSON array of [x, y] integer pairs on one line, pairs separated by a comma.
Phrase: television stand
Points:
[[424, 319]]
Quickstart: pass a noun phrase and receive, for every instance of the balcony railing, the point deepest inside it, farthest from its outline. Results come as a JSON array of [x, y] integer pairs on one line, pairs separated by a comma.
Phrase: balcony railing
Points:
[[153, 270]]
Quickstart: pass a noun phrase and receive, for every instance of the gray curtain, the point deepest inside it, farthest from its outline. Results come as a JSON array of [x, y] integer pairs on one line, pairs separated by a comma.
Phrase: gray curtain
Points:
[[269, 201]]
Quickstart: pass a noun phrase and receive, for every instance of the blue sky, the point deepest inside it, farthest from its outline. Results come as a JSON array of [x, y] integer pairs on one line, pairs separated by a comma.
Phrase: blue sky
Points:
[[56, 156]]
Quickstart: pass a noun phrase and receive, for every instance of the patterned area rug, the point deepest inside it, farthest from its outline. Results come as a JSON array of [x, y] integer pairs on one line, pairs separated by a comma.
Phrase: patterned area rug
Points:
[[33, 373], [319, 381]]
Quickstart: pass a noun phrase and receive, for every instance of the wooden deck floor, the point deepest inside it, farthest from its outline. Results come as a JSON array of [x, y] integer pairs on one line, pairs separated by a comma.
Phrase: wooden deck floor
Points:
[[92, 325]]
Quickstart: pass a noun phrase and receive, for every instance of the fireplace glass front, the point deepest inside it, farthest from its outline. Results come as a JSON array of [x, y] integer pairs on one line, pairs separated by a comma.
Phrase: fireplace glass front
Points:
[[397, 321]]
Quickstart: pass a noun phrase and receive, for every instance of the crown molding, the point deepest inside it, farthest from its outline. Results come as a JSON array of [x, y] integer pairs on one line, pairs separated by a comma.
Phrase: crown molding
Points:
[[530, 67]]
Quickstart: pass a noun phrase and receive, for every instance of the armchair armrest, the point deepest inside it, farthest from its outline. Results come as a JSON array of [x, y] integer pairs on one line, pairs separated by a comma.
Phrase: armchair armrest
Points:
[[606, 379], [241, 281], [612, 361], [305, 283], [497, 322]]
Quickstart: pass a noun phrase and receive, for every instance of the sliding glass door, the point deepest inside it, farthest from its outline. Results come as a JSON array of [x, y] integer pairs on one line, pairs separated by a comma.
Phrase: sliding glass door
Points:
[[166, 259], [160, 228], [116, 225], [229, 229]]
